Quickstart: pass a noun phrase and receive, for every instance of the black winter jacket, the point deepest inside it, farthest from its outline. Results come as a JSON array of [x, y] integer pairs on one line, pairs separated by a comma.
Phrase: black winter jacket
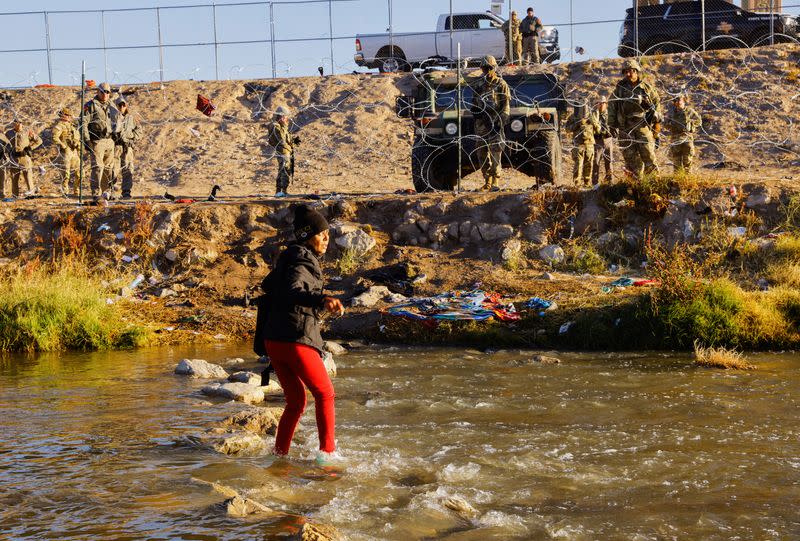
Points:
[[294, 297]]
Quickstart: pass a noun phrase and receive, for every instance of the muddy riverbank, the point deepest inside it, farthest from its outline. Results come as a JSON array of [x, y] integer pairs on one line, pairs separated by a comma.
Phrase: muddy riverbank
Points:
[[190, 272]]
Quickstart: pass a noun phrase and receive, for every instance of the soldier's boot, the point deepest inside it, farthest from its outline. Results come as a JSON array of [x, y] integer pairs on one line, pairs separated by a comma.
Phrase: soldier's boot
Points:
[[487, 184], [493, 184]]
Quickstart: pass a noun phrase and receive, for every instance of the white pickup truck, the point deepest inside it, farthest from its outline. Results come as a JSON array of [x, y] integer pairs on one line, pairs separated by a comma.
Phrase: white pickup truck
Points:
[[479, 34]]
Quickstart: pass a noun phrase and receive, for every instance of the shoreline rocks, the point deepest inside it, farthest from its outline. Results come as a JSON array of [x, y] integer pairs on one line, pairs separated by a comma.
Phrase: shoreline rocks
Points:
[[200, 369], [240, 392]]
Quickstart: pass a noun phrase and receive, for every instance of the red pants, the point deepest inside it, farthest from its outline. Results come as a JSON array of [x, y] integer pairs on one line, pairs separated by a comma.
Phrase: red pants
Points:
[[295, 365]]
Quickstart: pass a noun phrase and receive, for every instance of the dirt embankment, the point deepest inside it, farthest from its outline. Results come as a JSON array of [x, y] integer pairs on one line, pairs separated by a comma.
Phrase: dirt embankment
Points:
[[203, 263], [353, 143]]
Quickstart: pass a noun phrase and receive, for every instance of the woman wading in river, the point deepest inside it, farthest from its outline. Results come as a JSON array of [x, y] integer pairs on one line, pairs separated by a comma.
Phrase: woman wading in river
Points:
[[292, 339]]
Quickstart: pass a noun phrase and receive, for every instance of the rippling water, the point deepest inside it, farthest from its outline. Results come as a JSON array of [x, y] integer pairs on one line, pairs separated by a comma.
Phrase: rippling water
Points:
[[599, 447]]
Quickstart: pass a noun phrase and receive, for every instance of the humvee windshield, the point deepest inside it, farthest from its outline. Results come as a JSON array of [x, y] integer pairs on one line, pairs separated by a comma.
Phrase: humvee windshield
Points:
[[523, 94]]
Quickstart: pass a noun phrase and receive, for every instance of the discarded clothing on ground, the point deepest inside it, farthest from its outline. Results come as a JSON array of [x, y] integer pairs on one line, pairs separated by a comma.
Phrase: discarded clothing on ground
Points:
[[205, 106], [398, 278], [475, 305], [625, 281], [535, 303]]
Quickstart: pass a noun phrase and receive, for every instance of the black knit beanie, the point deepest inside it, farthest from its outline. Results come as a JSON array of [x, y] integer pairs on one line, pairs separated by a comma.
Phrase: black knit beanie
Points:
[[308, 222]]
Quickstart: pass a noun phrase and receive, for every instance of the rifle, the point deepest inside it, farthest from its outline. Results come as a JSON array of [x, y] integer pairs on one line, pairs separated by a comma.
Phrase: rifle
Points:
[[291, 167]]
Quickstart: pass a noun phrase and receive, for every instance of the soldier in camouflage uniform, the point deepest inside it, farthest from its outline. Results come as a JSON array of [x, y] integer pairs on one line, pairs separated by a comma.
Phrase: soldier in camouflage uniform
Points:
[[635, 110], [682, 124], [126, 133], [283, 143], [5, 163], [22, 145], [513, 38], [584, 125], [97, 132], [67, 138], [491, 109], [603, 144]]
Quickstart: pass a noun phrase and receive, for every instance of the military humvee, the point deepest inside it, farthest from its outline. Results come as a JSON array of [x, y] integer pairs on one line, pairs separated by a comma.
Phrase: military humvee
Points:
[[533, 144]]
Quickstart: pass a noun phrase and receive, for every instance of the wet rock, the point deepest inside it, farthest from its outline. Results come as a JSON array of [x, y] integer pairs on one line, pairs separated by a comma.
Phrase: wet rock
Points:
[[511, 250], [198, 368], [239, 444], [460, 507], [317, 532], [552, 253], [544, 359], [242, 507], [250, 378], [330, 364], [334, 348], [359, 241], [240, 392], [235, 360], [260, 421], [371, 296]]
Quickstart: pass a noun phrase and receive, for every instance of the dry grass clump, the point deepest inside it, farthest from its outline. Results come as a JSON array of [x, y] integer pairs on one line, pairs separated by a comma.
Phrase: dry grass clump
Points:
[[720, 357]]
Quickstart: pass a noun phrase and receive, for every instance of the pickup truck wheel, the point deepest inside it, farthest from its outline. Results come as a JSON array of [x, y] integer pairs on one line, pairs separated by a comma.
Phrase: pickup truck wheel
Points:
[[430, 167], [392, 60]]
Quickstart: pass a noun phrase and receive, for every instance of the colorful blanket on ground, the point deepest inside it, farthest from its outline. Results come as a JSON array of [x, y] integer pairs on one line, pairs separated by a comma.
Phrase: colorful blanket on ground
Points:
[[475, 305]]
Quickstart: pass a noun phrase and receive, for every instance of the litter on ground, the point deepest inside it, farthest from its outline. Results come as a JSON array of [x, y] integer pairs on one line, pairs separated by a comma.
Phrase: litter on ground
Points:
[[475, 305]]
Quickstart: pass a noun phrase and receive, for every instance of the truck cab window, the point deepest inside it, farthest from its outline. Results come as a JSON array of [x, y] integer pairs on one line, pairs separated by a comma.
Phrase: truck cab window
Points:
[[462, 22], [486, 23]]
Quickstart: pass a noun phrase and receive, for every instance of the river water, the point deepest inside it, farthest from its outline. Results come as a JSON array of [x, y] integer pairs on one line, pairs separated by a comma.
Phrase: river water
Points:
[[602, 446]]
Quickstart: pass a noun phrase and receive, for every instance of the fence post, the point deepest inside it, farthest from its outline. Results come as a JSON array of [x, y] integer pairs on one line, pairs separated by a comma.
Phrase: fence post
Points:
[[47, 44], [772, 22], [571, 34], [216, 46], [272, 39], [703, 26], [160, 47], [391, 31], [636, 27], [105, 50], [330, 30], [451, 30]]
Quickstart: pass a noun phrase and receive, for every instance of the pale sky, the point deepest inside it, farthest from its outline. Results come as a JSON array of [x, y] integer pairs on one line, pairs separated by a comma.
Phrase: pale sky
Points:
[[293, 20]]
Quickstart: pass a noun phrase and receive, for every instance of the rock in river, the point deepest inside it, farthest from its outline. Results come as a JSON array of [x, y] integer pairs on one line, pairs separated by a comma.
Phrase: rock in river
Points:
[[241, 392], [198, 368], [260, 421], [250, 378], [243, 507], [317, 532]]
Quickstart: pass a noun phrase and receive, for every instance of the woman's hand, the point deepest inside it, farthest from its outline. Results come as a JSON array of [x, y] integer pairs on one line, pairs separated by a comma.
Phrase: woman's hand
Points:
[[334, 306]]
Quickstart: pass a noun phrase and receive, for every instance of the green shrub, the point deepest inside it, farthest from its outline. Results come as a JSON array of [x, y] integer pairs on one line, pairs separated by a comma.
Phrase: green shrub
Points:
[[56, 309], [348, 262]]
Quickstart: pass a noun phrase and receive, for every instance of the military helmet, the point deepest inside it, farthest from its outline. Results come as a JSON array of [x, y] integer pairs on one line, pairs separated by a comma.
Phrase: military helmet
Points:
[[121, 101], [489, 62], [281, 111], [105, 87], [632, 65], [65, 112]]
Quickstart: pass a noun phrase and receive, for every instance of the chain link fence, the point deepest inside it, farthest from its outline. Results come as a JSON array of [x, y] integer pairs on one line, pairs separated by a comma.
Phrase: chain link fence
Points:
[[259, 39]]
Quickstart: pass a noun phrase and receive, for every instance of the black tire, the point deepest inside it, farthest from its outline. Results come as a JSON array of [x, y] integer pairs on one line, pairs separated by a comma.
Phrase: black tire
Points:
[[433, 167], [549, 157], [392, 60]]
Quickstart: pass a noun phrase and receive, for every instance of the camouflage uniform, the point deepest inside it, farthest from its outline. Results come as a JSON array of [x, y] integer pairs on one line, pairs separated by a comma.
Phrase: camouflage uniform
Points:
[[682, 125], [5, 162], [97, 132], [22, 145], [491, 109], [529, 29], [634, 110], [603, 149], [513, 38], [67, 138], [280, 139], [126, 133], [584, 126]]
